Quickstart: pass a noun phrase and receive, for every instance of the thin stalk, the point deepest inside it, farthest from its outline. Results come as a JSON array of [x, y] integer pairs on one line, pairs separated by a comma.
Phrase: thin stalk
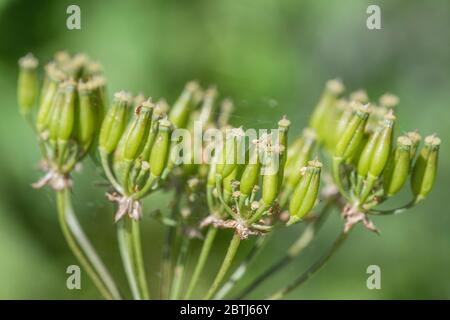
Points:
[[294, 251], [127, 254], [166, 261], [204, 253], [243, 266], [137, 251], [312, 269], [179, 268], [108, 172], [226, 264], [89, 251], [63, 207]]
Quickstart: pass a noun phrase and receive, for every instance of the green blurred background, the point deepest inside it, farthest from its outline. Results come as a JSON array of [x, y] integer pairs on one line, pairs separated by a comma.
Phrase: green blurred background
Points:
[[273, 57]]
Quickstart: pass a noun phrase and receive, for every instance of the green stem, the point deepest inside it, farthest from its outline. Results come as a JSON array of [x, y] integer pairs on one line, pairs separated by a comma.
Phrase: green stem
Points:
[[312, 269], [337, 177], [107, 169], [127, 254], [179, 268], [166, 262], [243, 266], [294, 251], [137, 251], [64, 206], [204, 253], [231, 252]]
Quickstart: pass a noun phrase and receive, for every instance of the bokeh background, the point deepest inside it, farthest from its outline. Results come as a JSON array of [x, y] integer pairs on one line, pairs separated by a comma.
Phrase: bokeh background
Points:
[[273, 58]]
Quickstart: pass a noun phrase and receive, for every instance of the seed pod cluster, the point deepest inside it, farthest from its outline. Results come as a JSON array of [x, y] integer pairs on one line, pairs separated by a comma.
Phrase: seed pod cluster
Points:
[[70, 106], [367, 166]]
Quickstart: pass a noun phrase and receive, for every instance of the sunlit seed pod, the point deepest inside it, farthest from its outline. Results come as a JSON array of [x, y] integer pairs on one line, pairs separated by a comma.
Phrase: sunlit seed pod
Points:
[[48, 97], [52, 123], [226, 109], [250, 175], [86, 115], [367, 152], [283, 129], [136, 134], [415, 138], [305, 194], [398, 166], [303, 156], [320, 116], [160, 150], [231, 152], [424, 171], [63, 121], [270, 175], [27, 88], [115, 122], [351, 137], [208, 106], [383, 147], [179, 114]]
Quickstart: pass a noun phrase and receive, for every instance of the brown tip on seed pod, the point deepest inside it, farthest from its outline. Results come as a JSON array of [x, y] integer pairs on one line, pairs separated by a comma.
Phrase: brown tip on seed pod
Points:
[[389, 100], [284, 122], [28, 62], [359, 96], [335, 86]]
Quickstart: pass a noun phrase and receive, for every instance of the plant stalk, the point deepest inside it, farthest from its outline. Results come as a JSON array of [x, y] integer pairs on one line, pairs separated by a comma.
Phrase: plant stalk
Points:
[[137, 252], [204, 253], [294, 251], [231, 252], [78, 243], [127, 253], [312, 269], [179, 268]]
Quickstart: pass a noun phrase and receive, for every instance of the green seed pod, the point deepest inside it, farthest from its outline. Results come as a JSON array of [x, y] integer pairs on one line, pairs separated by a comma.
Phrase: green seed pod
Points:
[[208, 105], [251, 172], [63, 115], [27, 88], [398, 166], [283, 128], [322, 111], [115, 121], [305, 194], [424, 171], [231, 152], [136, 134], [351, 137], [179, 114], [226, 108], [160, 149], [86, 115], [271, 173], [302, 158], [383, 147], [368, 151], [48, 97], [415, 138], [55, 109]]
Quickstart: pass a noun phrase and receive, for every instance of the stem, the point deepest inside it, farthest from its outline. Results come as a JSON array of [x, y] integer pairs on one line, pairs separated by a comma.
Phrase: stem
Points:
[[166, 263], [204, 253], [126, 252], [337, 177], [107, 169], [64, 206], [137, 251], [243, 266], [294, 251], [231, 252], [312, 269], [89, 251], [179, 269]]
